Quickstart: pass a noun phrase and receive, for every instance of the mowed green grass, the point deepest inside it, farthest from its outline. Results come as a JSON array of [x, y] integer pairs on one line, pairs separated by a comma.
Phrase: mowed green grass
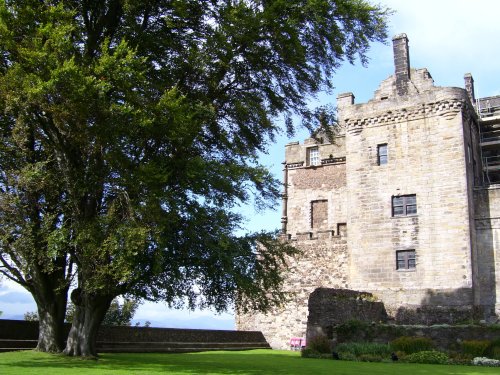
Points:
[[246, 362]]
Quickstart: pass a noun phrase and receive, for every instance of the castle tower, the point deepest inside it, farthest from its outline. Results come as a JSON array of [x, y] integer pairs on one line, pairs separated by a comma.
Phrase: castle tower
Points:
[[395, 205]]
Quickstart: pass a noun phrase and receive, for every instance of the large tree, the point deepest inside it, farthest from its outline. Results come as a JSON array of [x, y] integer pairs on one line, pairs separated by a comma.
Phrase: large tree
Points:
[[130, 135]]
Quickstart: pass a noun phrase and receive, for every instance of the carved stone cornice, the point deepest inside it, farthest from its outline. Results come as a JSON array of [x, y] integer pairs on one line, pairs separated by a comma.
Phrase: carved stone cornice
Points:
[[295, 165], [444, 108], [337, 160]]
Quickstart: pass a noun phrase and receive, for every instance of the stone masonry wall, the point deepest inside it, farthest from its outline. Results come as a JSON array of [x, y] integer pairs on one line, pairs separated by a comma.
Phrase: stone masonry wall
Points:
[[487, 202], [22, 335], [307, 187], [323, 263], [433, 155], [424, 137], [329, 308]]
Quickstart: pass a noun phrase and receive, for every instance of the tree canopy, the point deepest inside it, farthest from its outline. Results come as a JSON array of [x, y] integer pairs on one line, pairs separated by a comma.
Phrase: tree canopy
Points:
[[130, 132]]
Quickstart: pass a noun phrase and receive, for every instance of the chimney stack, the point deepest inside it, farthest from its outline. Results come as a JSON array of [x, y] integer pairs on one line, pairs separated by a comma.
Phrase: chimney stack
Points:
[[401, 63], [469, 87]]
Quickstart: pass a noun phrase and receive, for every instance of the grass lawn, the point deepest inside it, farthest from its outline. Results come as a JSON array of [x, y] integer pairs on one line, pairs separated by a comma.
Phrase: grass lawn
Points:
[[241, 363]]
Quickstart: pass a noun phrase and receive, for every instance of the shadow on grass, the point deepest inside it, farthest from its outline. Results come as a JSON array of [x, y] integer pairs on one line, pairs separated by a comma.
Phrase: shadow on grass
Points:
[[253, 362]]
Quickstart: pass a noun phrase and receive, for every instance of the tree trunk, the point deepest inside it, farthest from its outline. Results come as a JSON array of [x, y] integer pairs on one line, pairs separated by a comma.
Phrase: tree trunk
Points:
[[51, 332], [51, 301], [89, 313]]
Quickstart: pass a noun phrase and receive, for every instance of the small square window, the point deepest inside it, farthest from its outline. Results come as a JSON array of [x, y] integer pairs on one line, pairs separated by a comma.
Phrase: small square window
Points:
[[313, 156], [405, 260], [404, 205], [382, 154]]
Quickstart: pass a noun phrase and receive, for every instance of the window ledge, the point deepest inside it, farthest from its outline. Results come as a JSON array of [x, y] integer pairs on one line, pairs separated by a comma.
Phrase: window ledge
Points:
[[407, 270], [403, 216]]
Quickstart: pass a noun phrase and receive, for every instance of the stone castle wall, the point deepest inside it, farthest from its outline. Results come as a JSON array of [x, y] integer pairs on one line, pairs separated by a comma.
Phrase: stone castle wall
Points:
[[323, 263], [487, 201], [339, 211], [323, 188], [426, 157], [329, 308]]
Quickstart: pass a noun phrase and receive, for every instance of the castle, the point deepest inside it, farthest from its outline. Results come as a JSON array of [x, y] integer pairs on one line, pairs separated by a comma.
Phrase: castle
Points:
[[404, 204]]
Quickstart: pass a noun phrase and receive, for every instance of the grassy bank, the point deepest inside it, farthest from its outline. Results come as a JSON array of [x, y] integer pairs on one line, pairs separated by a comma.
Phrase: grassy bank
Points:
[[242, 363]]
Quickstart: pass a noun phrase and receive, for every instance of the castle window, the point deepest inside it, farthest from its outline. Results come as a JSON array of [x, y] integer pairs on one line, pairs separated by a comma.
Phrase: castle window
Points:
[[404, 205], [382, 154], [313, 156], [405, 260]]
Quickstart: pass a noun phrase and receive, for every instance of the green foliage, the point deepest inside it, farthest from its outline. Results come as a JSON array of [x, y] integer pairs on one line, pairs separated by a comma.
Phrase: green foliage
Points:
[[476, 348], [371, 358], [130, 133], [311, 353], [320, 344], [495, 349], [495, 352], [410, 344], [427, 356], [459, 359], [120, 314], [117, 314], [31, 316], [346, 356], [363, 348], [352, 328]]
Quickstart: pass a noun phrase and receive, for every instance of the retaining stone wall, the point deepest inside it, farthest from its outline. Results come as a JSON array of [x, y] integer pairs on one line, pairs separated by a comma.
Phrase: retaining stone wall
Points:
[[140, 339]]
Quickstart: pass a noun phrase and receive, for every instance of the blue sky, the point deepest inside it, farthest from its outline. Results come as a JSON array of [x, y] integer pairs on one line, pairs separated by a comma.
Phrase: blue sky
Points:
[[448, 37]]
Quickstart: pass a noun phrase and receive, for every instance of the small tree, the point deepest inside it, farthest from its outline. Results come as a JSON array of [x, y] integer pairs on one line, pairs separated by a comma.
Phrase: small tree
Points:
[[31, 316], [117, 314]]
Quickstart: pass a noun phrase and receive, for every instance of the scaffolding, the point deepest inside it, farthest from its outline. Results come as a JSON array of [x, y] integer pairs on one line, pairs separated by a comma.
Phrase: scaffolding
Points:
[[488, 110]]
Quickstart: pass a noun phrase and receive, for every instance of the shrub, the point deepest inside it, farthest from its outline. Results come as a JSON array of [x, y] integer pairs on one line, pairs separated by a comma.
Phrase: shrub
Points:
[[460, 359], [476, 348], [370, 358], [427, 356], [351, 328], [495, 349], [310, 353], [320, 344], [412, 344], [401, 355], [483, 361], [495, 352], [347, 356], [361, 348]]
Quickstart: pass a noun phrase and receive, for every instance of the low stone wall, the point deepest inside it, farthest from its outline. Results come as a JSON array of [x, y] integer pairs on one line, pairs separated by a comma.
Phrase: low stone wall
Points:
[[19, 334], [331, 307], [444, 336]]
